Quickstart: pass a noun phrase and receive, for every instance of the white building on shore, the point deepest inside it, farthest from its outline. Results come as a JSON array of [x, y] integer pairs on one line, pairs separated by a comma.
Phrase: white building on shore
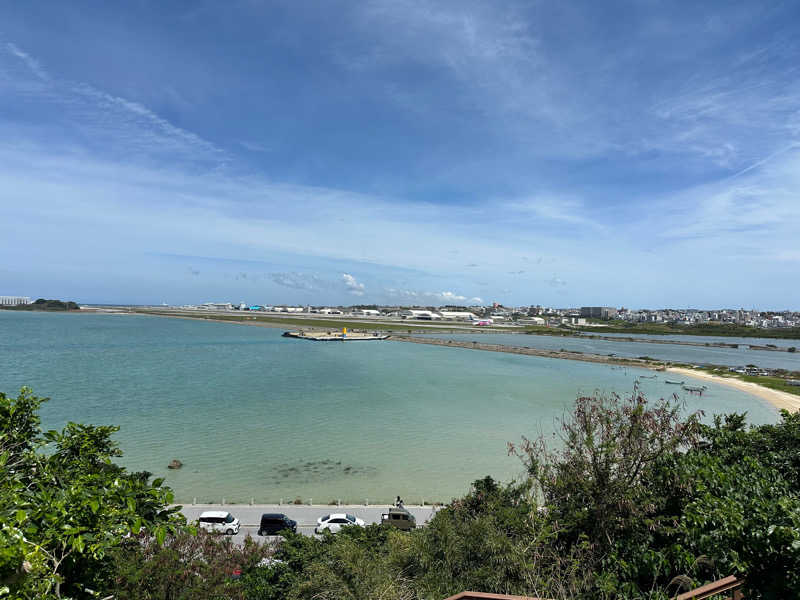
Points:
[[451, 315], [14, 300]]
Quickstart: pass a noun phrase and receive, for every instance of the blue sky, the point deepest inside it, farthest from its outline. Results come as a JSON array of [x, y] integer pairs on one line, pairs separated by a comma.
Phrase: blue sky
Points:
[[644, 154]]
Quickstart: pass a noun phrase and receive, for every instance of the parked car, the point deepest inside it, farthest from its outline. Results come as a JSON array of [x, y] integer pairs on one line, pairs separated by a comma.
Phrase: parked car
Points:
[[219, 520], [336, 521], [272, 523]]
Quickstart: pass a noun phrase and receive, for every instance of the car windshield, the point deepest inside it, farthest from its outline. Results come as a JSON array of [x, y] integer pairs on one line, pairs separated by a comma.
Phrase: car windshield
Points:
[[229, 518], [325, 518], [350, 518]]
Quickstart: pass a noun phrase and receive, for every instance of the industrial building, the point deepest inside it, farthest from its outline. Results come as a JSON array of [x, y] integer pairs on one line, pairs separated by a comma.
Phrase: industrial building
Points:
[[599, 312]]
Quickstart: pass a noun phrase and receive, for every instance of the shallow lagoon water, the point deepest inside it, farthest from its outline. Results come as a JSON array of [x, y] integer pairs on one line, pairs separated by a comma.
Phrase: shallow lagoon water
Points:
[[672, 352], [255, 415]]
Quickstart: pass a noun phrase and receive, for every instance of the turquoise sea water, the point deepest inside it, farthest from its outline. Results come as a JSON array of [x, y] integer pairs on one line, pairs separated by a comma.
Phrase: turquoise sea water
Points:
[[255, 415]]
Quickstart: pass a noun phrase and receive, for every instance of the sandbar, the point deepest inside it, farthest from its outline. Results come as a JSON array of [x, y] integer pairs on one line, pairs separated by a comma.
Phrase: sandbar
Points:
[[777, 398]]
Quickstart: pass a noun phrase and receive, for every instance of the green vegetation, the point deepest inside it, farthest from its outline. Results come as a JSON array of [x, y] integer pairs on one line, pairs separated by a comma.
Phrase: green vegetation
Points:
[[48, 305], [635, 500], [64, 506], [557, 331], [186, 566]]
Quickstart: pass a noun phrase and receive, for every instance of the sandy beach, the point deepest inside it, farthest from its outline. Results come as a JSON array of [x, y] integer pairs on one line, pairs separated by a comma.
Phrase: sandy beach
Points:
[[777, 398]]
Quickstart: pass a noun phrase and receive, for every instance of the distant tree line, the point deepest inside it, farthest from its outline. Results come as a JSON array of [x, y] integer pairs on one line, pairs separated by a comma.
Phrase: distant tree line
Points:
[[48, 305]]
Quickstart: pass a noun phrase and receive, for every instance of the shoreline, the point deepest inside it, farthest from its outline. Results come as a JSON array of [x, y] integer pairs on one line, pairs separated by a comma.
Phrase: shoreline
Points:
[[777, 398]]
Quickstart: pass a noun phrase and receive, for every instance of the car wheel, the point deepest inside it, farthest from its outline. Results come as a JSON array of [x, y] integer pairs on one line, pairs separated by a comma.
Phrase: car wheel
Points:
[[229, 532]]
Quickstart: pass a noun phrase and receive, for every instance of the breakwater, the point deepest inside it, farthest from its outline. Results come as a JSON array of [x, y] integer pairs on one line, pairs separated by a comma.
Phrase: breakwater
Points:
[[563, 354]]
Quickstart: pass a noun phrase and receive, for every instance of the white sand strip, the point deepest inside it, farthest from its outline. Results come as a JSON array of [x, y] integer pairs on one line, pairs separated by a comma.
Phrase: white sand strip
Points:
[[778, 399]]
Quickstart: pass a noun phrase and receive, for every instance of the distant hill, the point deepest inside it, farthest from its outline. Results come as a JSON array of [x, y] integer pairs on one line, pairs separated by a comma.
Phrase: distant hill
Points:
[[48, 305]]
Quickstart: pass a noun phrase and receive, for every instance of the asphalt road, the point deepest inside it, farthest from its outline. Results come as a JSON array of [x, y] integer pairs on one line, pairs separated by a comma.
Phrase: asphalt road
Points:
[[306, 516]]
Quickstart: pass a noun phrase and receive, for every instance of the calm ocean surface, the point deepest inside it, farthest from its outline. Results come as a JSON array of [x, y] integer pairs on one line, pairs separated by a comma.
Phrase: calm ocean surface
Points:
[[255, 415]]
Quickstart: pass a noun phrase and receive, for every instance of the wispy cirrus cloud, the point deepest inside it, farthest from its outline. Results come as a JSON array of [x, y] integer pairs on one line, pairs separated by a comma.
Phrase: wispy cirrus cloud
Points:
[[29, 61], [630, 157], [565, 209], [746, 108], [298, 281], [111, 124]]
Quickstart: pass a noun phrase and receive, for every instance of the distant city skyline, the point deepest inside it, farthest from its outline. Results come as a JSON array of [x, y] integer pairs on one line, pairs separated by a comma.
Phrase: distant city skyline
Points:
[[249, 302], [401, 152]]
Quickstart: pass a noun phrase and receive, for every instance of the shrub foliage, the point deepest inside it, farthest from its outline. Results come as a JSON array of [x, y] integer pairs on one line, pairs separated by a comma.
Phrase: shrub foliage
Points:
[[634, 500]]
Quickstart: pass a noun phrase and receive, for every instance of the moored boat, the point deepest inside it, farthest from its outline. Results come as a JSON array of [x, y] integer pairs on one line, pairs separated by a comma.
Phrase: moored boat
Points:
[[694, 388]]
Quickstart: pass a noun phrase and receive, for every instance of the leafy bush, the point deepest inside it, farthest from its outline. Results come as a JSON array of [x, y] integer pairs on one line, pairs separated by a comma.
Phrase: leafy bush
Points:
[[64, 506], [637, 500], [661, 498], [186, 566]]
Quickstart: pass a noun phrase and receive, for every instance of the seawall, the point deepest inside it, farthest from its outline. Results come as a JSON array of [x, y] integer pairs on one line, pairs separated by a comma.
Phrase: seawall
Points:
[[563, 354]]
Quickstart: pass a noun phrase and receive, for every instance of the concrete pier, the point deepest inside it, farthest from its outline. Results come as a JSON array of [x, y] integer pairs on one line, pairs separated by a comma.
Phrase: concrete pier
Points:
[[335, 336]]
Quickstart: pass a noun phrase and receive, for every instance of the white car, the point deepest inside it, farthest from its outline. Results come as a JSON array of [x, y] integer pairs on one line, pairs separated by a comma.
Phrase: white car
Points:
[[219, 520], [336, 521]]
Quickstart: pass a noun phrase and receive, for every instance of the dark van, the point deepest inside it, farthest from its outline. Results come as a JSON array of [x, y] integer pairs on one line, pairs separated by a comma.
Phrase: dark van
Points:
[[400, 518], [272, 523]]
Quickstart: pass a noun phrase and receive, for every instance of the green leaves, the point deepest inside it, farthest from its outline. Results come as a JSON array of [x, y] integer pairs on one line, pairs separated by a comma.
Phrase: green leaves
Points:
[[71, 505], [161, 535]]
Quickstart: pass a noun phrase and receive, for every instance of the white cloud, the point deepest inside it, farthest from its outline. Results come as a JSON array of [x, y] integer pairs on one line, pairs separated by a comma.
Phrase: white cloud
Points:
[[432, 297], [744, 110], [115, 126], [548, 207], [352, 286], [134, 187], [298, 281], [492, 55], [31, 62], [759, 208]]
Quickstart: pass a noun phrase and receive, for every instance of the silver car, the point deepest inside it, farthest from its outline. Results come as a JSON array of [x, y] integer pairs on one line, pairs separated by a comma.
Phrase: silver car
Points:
[[334, 522], [219, 520]]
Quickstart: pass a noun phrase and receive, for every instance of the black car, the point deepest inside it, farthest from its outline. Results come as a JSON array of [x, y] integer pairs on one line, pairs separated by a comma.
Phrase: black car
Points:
[[272, 523]]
